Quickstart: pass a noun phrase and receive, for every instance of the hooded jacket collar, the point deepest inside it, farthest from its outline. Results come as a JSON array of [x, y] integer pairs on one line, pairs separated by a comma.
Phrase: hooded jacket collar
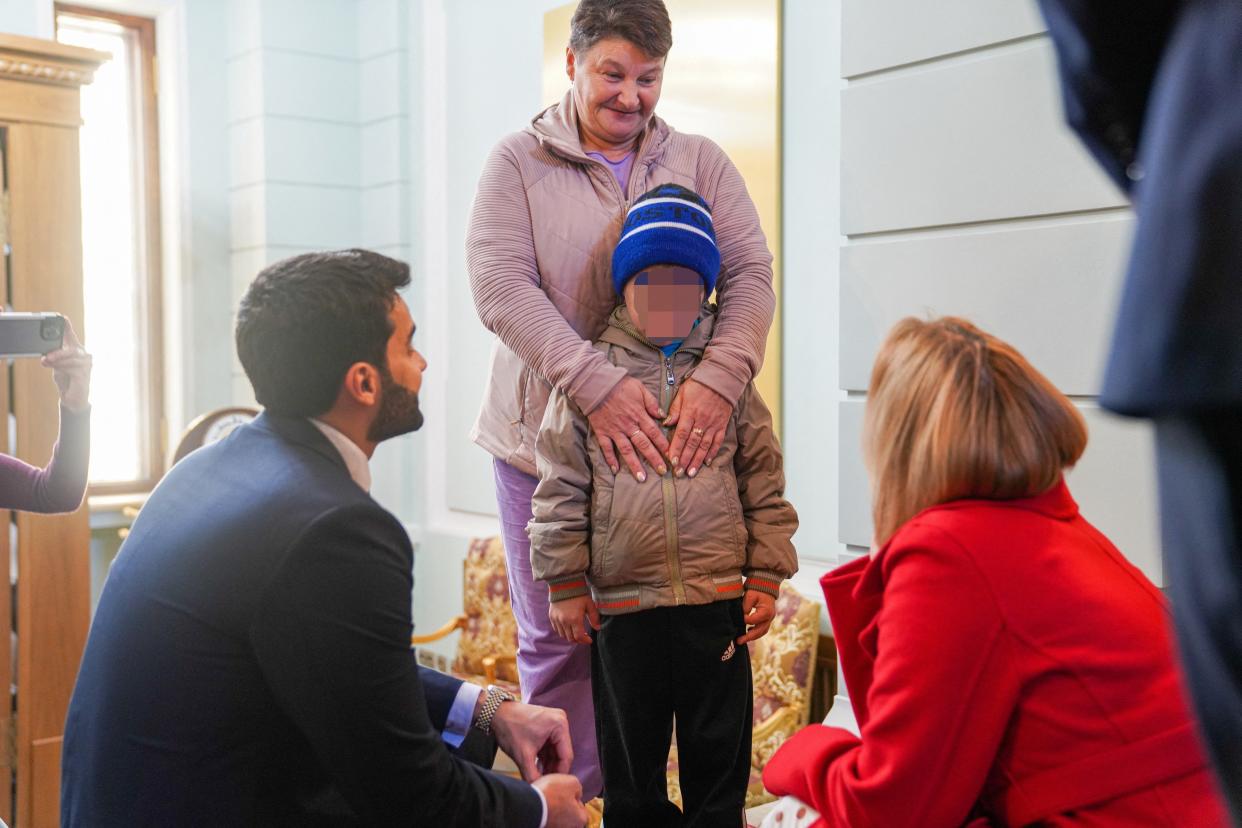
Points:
[[557, 129], [622, 332]]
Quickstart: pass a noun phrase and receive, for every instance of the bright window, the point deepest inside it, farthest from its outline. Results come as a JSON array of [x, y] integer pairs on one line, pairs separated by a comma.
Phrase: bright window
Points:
[[120, 247]]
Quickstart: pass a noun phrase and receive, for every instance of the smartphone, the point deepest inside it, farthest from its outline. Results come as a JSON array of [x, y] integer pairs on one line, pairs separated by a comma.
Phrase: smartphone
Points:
[[30, 334]]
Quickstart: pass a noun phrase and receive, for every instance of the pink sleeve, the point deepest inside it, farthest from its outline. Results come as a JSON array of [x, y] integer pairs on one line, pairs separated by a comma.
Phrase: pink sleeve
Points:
[[504, 278], [60, 486], [747, 300]]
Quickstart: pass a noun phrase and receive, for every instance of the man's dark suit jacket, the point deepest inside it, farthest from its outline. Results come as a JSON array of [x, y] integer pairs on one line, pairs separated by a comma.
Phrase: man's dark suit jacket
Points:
[[249, 662], [1152, 86]]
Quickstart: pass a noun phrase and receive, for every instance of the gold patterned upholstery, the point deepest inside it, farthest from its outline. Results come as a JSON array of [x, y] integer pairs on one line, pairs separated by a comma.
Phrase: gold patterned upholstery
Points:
[[491, 629], [783, 664], [487, 648]]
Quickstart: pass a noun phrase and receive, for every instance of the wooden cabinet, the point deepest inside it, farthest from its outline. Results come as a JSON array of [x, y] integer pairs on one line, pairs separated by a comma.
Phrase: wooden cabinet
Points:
[[44, 617]]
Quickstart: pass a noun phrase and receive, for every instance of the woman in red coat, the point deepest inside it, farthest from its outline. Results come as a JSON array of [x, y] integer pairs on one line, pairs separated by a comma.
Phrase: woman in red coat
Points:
[[1005, 662]]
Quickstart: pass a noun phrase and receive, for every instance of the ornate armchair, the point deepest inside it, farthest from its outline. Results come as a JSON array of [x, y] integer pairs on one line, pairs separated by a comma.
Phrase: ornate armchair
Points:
[[487, 648], [783, 662], [783, 666]]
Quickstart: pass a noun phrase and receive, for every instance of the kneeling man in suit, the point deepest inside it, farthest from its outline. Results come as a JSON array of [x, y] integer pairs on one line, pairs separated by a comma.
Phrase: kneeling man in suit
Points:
[[249, 662]]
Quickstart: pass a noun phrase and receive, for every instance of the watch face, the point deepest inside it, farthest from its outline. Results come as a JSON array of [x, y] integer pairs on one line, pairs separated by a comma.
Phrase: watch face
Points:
[[224, 426]]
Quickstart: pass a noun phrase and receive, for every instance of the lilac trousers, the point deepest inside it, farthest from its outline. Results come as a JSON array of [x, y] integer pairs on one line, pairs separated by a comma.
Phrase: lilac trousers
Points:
[[553, 672]]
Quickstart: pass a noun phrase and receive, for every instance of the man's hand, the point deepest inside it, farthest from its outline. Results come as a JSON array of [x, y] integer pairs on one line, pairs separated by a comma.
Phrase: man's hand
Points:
[[758, 610], [563, 794], [625, 423], [567, 618], [702, 418], [537, 738]]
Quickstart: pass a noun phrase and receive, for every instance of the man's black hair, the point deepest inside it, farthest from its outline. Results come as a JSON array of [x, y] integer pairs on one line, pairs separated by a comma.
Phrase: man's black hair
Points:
[[306, 319]]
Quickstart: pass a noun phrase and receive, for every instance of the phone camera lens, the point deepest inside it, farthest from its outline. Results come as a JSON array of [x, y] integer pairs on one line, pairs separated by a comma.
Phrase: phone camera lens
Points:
[[51, 329]]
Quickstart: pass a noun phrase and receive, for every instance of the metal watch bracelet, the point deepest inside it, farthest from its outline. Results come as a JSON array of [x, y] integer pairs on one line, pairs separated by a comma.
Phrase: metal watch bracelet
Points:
[[495, 696]]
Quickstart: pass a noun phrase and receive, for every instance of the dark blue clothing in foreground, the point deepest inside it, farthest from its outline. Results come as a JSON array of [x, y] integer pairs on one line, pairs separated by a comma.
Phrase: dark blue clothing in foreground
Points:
[[249, 662], [1154, 87]]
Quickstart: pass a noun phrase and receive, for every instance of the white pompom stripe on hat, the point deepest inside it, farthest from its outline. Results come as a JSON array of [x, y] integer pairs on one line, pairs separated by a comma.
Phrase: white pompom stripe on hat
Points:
[[678, 225]]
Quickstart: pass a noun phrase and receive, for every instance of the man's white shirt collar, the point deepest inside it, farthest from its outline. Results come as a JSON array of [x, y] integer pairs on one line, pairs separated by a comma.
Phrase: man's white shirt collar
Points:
[[355, 458]]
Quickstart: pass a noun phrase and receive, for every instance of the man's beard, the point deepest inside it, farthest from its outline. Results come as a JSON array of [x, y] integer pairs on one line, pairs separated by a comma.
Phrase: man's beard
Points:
[[398, 413]]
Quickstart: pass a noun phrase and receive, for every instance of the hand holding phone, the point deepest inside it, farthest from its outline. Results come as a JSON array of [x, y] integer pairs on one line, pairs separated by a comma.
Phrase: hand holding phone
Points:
[[30, 334], [71, 369]]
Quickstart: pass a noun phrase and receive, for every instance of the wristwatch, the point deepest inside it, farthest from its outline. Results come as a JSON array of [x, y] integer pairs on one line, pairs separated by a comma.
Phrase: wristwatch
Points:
[[494, 698]]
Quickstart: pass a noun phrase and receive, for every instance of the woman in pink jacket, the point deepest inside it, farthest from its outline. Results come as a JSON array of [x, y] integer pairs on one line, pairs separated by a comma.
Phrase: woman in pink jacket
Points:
[[546, 217], [1007, 665]]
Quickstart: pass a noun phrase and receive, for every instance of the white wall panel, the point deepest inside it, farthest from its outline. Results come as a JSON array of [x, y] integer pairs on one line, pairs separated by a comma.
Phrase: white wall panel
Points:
[[392, 476], [381, 27], [884, 33], [810, 287], [247, 217], [294, 150], [469, 486], [245, 265], [806, 581], [245, 88], [383, 86], [854, 522], [301, 151], [1114, 484], [385, 157], [322, 218], [246, 152], [977, 140], [513, 42], [318, 27], [1050, 291], [310, 86], [244, 26], [385, 216]]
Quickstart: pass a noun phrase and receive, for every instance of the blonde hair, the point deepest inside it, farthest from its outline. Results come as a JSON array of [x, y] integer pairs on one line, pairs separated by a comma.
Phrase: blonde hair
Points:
[[953, 412]]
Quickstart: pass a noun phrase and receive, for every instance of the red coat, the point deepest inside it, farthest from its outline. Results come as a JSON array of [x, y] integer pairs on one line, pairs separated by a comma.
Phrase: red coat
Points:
[[1004, 661]]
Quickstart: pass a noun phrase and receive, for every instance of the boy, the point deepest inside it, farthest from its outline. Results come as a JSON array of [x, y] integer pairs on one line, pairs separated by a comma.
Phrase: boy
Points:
[[669, 570]]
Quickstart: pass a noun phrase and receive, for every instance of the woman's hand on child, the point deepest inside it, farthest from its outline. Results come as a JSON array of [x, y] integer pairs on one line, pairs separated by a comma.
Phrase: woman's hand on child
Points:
[[702, 417], [567, 618], [758, 610], [627, 419]]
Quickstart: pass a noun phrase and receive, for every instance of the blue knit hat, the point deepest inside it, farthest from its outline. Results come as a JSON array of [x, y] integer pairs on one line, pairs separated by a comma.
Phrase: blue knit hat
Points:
[[667, 225]]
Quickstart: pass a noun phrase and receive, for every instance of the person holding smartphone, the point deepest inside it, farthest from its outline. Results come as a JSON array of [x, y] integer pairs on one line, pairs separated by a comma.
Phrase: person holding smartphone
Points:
[[61, 485]]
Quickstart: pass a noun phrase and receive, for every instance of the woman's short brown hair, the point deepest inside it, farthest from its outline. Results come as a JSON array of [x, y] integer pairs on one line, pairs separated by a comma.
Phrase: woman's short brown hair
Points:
[[953, 412], [644, 23]]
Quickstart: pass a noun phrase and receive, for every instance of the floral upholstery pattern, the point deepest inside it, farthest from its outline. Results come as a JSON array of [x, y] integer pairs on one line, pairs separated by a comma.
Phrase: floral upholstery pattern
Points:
[[490, 628], [782, 664]]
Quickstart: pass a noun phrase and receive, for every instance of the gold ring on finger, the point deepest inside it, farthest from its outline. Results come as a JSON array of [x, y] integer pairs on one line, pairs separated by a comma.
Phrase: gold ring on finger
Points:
[[635, 433], [697, 430]]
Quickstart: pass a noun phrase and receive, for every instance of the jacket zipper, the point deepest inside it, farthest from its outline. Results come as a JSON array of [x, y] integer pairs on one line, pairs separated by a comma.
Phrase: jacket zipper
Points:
[[614, 184], [671, 540], [623, 196]]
